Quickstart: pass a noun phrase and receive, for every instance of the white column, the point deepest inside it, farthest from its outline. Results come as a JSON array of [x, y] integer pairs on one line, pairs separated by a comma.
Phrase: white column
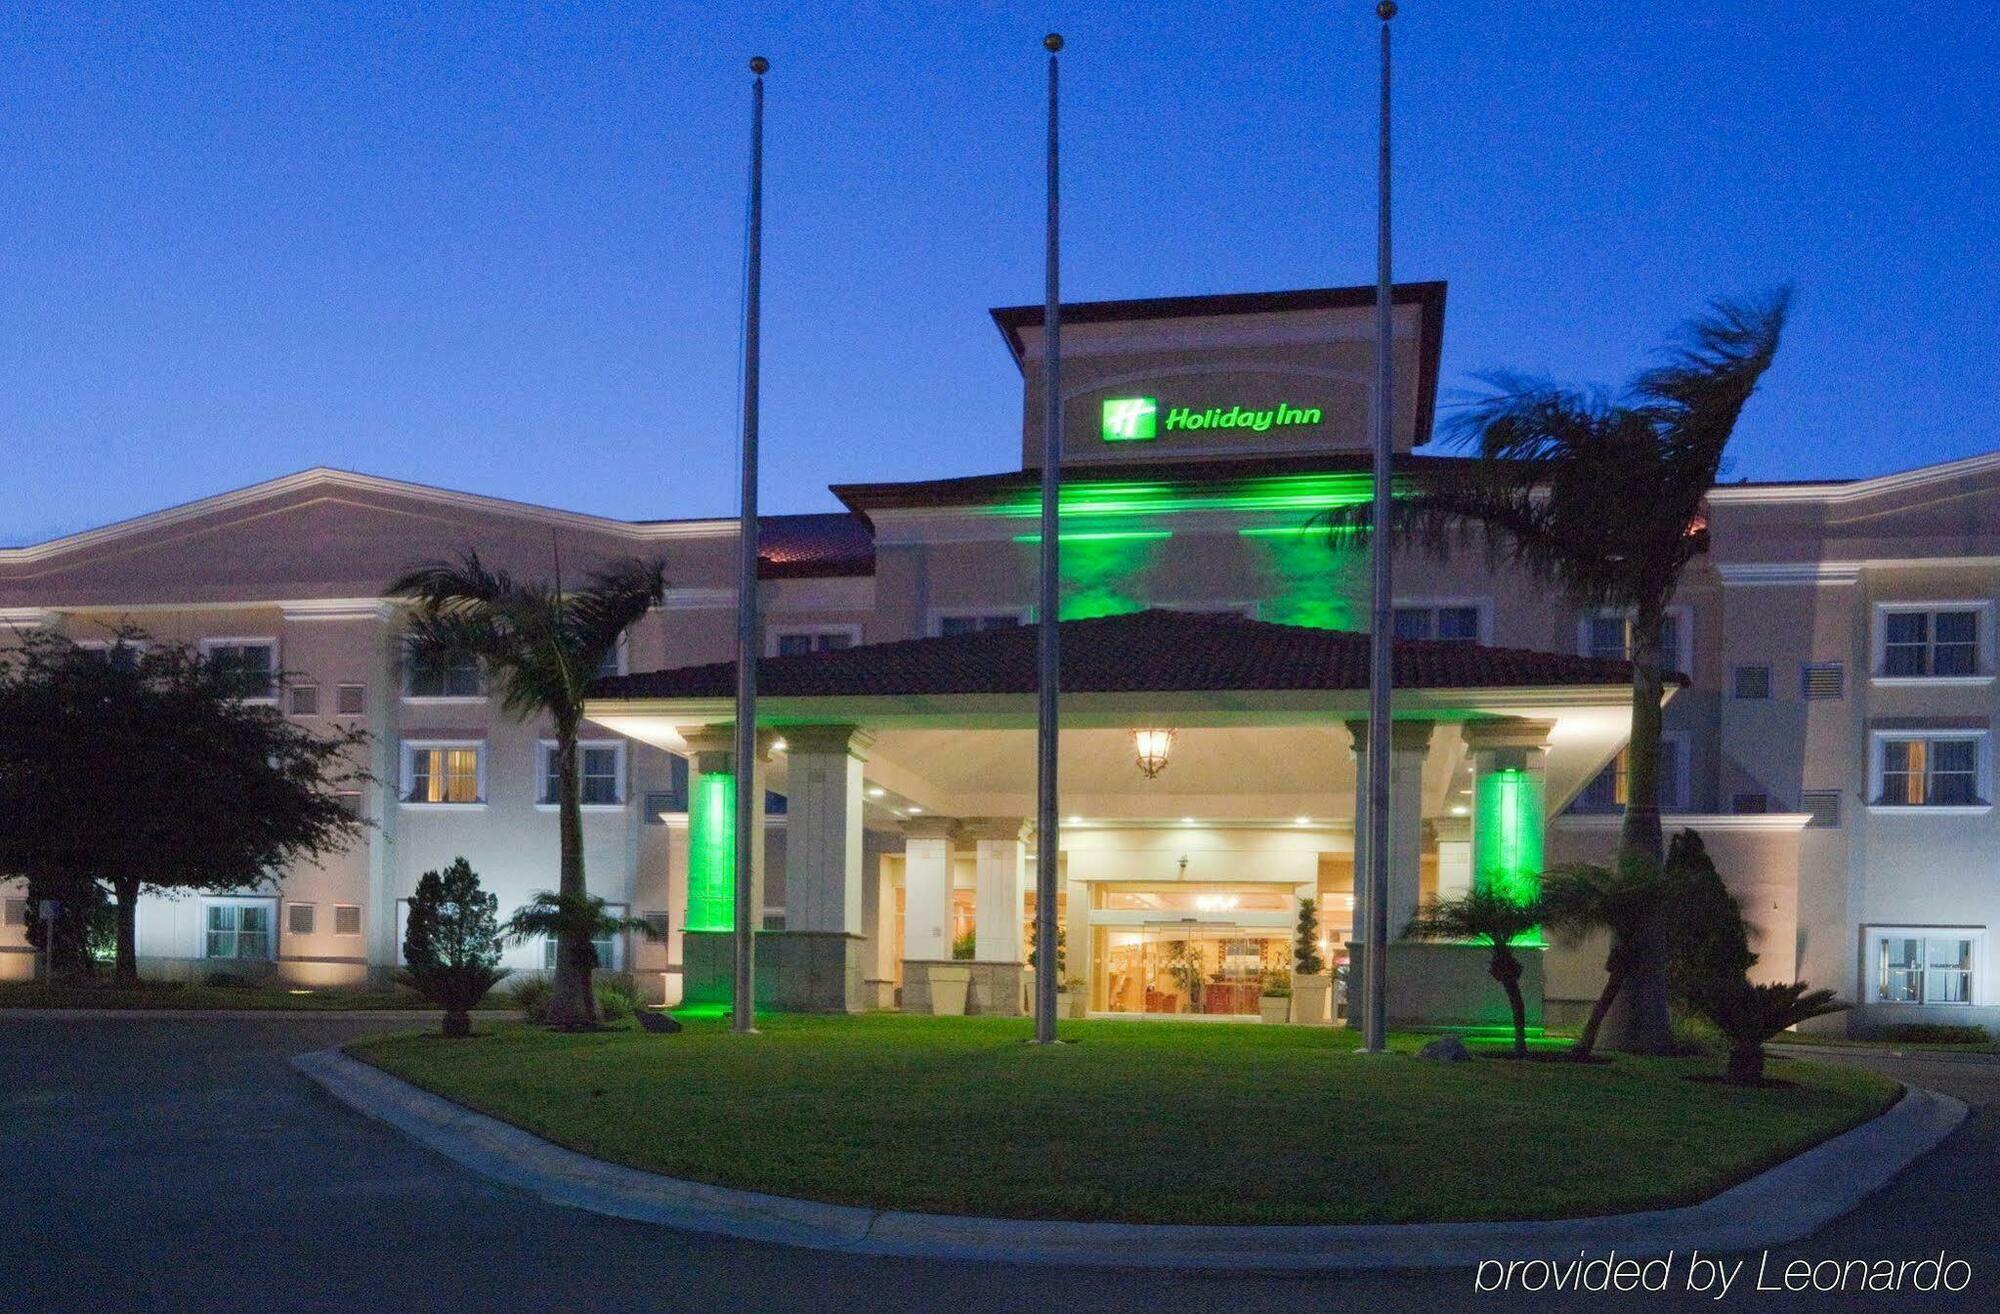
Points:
[[823, 866], [999, 888], [1410, 743], [927, 858]]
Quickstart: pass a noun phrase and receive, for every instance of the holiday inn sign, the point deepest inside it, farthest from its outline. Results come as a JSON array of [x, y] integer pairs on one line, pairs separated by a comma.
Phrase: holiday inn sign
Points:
[[1138, 419]]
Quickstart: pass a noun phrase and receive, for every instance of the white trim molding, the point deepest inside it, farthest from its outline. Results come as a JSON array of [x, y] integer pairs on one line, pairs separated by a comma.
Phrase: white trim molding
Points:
[[337, 609], [1749, 574], [1698, 821], [1853, 490], [27, 618]]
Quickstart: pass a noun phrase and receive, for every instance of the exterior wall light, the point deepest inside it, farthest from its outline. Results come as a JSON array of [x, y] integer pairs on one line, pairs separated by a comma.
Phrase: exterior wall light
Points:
[[1151, 747]]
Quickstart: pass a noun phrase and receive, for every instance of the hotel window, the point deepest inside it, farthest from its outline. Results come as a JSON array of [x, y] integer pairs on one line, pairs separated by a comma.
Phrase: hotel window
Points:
[[347, 919], [1609, 791], [302, 700], [1929, 642], [352, 800], [1923, 966], [298, 919], [17, 912], [610, 957], [452, 677], [238, 928], [1456, 623], [249, 666], [1608, 634], [1751, 683], [350, 700], [811, 639], [613, 662], [601, 776], [443, 774], [116, 653], [975, 622], [657, 923], [1914, 770]]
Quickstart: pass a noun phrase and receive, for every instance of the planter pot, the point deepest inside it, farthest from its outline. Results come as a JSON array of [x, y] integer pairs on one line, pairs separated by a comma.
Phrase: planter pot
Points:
[[1063, 1004], [1312, 1000], [1079, 1003], [1276, 1008], [948, 987]]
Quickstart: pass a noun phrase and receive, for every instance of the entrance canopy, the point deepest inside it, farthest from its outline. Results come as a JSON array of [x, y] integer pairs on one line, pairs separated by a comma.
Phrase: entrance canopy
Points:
[[1262, 713]]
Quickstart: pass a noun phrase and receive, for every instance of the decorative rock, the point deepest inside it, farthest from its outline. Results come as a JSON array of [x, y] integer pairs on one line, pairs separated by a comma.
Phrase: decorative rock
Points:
[[1445, 1049]]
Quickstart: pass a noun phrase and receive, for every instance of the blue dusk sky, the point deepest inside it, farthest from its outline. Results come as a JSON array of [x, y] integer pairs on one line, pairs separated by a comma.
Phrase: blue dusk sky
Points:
[[498, 247]]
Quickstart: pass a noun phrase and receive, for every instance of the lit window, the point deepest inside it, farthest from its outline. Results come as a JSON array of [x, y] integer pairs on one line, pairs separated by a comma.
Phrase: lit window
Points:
[[1929, 771], [1934, 967], [446, 773], [1610, 791], [248, 666], [453, 677], [601, 775], [1930, 643], [238, 930]]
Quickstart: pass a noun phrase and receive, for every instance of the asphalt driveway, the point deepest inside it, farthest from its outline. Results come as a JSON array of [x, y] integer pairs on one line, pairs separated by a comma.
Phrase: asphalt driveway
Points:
[[169, 1164]]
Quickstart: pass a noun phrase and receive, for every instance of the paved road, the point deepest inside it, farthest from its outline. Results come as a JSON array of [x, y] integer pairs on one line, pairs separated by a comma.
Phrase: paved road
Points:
[[179, 1165]]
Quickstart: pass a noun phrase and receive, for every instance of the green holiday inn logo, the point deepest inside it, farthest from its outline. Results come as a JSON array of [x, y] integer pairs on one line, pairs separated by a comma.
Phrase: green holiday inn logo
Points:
[[1137, 419], [1131, 419]]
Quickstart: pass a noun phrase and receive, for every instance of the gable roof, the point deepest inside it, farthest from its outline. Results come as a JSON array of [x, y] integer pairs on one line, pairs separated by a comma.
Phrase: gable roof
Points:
[[1156, 651]]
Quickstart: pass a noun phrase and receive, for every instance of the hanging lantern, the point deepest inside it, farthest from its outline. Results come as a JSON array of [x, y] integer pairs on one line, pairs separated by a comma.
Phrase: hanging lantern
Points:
[[1152, 747]]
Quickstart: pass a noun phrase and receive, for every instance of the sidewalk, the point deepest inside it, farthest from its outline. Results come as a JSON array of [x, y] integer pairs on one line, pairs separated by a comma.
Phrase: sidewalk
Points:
[[1786, 1203]]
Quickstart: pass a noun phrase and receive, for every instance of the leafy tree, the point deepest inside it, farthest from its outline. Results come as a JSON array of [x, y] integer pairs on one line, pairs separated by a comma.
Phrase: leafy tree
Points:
[[570, 919], [1305, 944], [1605, 499], [1750, 1014], [1062, 952], [1487, 916], [141, 767], [543, 644], [1707, 936], [451, 943]]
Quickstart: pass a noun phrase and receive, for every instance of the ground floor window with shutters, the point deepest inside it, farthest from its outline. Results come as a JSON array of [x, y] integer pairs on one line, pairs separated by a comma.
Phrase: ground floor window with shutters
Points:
[[1925, 965]]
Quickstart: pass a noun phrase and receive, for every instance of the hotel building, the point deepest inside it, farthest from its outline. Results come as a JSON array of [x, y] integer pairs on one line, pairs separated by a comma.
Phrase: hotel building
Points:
[[1830, 737]]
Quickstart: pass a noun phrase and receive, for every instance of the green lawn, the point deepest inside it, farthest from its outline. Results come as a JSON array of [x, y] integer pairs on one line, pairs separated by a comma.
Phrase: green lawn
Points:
[[1157, 1122], [170, 995]]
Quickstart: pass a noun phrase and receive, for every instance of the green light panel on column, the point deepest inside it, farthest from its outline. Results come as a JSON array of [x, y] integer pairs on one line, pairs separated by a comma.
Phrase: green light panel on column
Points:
[[712, 853], [1508, 841]]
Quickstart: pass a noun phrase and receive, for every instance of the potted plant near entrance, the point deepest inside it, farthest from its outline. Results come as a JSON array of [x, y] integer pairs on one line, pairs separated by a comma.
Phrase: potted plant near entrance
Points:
[[1276, 1001], [1312, 986]]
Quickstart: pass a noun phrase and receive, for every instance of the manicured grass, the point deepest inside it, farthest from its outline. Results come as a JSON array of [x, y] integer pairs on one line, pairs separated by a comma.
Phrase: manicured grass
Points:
[[172, 995], [1156, 1122]]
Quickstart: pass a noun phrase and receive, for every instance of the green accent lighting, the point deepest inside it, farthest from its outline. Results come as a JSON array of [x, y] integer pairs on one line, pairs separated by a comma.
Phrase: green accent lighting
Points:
[[1130, 419], [1508, 839], [712, 853]]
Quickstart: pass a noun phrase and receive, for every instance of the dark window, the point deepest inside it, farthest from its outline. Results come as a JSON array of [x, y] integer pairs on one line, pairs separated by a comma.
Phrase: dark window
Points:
[[1750, 804], [658, 922], [347, 919], [298, 919], [951, 625], [452, 677], [1753, 683], [800, 643], [304, 699], [251, 669], [351, 700]]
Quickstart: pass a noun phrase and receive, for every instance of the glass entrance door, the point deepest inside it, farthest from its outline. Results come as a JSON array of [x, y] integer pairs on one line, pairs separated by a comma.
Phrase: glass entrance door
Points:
[[1186, 969]]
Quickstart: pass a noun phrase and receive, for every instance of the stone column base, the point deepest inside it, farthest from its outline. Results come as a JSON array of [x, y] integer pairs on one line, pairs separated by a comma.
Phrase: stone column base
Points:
[[796, 971], [995, 990]]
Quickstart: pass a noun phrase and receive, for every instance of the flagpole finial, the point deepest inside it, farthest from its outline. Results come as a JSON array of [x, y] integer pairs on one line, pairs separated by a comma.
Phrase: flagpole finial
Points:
[[1052, 42], [1386, 10], [760, 65]]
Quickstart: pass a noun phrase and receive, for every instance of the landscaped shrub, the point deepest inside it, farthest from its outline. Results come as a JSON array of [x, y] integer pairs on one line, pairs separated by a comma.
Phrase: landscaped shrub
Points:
[[224, 980], [531, 996], [451, 943], [965, 946], [1751, 1014], [1306, 957], [1277, 985], [1933, 1033], [617, 1000]]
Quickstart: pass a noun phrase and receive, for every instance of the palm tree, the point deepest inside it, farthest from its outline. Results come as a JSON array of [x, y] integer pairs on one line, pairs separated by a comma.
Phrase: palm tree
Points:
[[542, 645], [1487, 916], [570, 918], [1604, 499], [1624, 900], [1749, 1015]]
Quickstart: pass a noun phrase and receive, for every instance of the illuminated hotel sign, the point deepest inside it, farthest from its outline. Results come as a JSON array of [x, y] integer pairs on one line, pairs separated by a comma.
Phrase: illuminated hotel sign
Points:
[[1140, 419]]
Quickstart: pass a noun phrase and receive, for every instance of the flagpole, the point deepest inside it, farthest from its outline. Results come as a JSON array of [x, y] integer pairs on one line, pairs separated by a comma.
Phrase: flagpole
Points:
[[1048, 611], [1375, 939], [749, 799]]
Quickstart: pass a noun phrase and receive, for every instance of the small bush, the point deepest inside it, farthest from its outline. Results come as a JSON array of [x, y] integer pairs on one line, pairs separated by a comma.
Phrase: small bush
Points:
[[224, 980], [531, 996], [1277, 985], [617, 1001], [1933, 1033], [1695, 1034]]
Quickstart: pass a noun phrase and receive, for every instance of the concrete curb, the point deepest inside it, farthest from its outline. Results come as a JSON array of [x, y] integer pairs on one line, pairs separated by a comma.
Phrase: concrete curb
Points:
[[1788, 1202], [1884, 1051]]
